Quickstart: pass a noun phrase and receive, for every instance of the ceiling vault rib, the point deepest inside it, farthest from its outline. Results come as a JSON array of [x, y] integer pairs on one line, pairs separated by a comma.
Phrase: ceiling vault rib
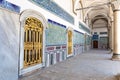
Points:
[[93, 6]]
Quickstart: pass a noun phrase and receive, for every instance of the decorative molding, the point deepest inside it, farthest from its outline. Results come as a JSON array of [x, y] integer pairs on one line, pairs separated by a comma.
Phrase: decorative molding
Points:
[[54, 8], [9, 6]]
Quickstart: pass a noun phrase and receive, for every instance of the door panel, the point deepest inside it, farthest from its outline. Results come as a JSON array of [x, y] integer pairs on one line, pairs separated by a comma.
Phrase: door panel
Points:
[[95, 44], [70, 44]]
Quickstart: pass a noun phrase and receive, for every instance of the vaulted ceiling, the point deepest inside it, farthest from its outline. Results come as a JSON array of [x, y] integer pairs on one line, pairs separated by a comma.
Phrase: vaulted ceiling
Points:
[[94, 10]]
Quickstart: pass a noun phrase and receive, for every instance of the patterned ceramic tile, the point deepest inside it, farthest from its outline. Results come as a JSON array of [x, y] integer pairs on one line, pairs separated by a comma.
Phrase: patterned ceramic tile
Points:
[[9, 6], [78, 38], [88, 40], [54, 8], [55, 34]]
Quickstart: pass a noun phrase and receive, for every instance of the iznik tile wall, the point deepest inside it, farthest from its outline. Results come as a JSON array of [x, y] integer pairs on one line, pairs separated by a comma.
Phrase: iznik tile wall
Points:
[[103, 42], [78, 42], [78, 38], [88, 40], [54, 8], [55, 34], [9, 6], [95, 37]]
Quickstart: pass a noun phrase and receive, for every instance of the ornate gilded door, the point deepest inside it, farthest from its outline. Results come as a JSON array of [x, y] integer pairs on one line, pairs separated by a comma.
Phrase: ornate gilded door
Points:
[[33, 38], [70, 42]]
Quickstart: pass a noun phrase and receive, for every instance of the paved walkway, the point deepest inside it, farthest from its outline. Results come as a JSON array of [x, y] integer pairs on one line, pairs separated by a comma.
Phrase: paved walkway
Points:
[[92, 65]]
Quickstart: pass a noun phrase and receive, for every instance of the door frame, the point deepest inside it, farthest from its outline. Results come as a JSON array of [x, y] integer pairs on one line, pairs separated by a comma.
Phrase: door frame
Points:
[[24, 15]]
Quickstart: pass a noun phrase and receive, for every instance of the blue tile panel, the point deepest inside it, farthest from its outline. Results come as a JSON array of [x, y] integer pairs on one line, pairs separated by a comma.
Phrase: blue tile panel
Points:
[[9, 6], [95, 37], [78, 38], [103, 40], [54, 8], [81, 26], [88, 40], [55, 34]]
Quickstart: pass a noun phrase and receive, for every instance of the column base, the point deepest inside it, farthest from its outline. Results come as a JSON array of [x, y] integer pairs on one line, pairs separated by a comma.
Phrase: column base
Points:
[[116, 57]]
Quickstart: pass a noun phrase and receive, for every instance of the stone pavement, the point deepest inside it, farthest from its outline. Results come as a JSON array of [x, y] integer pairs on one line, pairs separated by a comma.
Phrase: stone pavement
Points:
[[91, 65]]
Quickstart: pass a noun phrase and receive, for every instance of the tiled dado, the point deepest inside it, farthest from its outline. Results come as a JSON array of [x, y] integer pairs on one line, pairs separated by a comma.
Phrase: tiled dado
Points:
[[78, 48], [55, 54], [54, 8], [9, 6], [52, 48]]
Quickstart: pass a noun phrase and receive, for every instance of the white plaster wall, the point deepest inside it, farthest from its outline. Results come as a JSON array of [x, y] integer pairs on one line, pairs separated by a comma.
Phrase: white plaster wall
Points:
[[9, 45]]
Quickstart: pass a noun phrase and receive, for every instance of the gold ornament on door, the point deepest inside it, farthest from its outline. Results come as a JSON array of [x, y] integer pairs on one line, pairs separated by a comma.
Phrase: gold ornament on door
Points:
[[33, 39]]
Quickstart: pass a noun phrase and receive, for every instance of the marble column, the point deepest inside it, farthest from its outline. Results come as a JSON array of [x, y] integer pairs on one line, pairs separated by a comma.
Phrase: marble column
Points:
[[116, 43]]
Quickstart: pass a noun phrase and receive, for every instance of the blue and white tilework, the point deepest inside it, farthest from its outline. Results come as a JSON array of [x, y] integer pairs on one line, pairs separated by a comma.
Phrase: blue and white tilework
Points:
[[54, 8], [9, 6], [55, 34]]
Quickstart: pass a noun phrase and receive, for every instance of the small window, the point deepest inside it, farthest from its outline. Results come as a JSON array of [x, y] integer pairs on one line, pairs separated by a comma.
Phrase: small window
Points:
[[95, 32], [103, 32]]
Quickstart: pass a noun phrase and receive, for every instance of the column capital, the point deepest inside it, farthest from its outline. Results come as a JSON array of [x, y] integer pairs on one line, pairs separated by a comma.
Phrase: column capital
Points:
[[115, 4]]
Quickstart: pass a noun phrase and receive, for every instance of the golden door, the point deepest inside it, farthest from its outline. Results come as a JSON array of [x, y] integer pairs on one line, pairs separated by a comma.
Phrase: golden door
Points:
[[33, 38], [70, 42]]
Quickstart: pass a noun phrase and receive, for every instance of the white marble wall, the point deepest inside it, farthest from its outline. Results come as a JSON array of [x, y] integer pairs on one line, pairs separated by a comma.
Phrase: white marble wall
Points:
[[9, 45]]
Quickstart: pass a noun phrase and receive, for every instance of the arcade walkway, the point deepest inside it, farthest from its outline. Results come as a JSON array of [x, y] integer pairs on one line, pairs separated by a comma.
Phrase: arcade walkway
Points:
[[92, 65]]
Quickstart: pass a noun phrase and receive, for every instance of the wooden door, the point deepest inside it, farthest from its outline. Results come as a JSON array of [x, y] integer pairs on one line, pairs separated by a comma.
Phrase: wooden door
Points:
[[95, 44]]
